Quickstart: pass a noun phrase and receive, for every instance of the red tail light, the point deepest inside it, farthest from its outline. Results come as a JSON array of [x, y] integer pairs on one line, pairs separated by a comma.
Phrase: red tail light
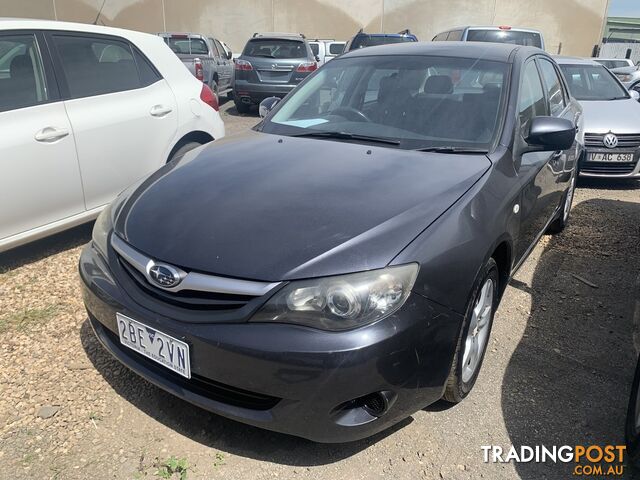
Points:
[[243, 65], [307, 67], [208, 97], [197, 63]]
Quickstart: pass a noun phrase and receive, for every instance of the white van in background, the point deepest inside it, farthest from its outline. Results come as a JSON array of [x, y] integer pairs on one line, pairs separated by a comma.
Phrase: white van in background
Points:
[[326, 49]]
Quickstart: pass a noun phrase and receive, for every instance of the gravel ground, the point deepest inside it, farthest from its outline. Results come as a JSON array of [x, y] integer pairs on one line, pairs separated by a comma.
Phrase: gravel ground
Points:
[[558, 371]]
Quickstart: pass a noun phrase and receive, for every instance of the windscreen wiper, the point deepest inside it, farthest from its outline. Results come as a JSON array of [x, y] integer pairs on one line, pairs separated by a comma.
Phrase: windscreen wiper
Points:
[[348, 136], [451, 149]]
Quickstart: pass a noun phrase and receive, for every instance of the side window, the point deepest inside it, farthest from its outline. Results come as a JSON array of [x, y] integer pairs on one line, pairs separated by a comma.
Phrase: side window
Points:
[[147, 72], [22, 80], [336, 48], [220, 48], [441, 37], [214, 48], [96, 65], [531, 102], [315, 48], [455, 36], [553, 86]]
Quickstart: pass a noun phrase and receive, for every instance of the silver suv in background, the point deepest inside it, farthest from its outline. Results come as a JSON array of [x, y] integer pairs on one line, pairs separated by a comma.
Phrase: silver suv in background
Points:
[[205, 57], [611, 119], [271, 65], [500, 34], [629, 76], [612, 63]]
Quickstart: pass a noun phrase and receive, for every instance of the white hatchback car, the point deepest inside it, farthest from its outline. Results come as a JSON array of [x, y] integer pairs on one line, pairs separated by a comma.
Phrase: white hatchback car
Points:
[[86, 111]]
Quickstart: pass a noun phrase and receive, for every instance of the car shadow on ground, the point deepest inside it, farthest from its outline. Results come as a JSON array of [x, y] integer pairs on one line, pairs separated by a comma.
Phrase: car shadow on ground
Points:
[[213, 430], [568, 381], [45, 247]]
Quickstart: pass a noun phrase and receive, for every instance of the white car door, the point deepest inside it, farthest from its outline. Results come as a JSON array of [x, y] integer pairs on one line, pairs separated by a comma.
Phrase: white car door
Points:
[[123, 113], [40, 180]]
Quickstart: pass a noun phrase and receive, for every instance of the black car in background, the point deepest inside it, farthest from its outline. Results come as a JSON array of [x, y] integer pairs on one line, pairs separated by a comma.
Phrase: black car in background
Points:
[[271, 64], [338, 267], [362, 39]]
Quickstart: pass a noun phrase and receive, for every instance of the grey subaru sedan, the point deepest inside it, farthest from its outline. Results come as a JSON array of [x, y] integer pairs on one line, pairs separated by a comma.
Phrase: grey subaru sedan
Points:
[[338, 267], [611, 120]]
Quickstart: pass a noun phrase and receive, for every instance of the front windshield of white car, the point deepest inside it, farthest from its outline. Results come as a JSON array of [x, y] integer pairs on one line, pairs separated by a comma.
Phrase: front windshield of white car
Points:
[[414, 102], [593, 82]]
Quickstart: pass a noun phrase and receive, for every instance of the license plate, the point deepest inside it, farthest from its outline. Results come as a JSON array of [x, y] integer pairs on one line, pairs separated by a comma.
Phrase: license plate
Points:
[[611, 157], [159, 347]]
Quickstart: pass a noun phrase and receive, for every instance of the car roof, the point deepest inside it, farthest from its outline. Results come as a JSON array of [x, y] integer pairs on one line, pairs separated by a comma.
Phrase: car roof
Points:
[[575, 61], [609, 59], [500, 52], [278, 36], [496, 27], [33, 23], [365, 34]]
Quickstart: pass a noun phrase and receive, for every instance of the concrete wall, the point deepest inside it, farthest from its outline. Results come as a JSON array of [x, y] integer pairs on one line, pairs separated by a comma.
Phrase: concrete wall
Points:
[[577, 25]]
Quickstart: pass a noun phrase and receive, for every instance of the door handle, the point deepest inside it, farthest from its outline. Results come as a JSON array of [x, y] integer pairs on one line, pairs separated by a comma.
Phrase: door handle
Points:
[[160, 110], [50, 134]]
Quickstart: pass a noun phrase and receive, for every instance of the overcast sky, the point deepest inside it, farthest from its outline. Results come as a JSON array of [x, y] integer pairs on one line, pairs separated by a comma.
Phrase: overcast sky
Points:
[[624, 8]]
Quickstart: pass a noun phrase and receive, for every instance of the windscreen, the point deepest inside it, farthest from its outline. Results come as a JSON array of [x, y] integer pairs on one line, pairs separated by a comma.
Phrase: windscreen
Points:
[[529, 39], [591, 82], [275, 48], [416, 101]]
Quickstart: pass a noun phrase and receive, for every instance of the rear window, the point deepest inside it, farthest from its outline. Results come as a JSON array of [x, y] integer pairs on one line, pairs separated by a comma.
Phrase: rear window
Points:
[[188, 46], [529, 39], [362, 41], [275, 48]]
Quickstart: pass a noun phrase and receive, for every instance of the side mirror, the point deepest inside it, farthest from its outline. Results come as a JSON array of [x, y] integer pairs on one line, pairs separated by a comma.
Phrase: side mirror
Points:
[[635, 95], [267, 105], [229, 55], [317, 57], [551, 133]]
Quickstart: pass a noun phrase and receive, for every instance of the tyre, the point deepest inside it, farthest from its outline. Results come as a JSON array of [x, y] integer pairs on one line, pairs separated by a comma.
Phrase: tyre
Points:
[[214, 89], [474, 338], [241, 107], [561, 221], [179, 153], [632, 426]]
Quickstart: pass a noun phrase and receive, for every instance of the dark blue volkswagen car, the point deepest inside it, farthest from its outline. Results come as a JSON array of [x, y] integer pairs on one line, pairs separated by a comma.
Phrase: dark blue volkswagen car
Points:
[[338, 267]]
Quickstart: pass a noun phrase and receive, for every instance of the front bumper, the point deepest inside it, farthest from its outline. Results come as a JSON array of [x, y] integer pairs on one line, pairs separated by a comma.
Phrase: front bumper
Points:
[[256, 92], [289, 378]]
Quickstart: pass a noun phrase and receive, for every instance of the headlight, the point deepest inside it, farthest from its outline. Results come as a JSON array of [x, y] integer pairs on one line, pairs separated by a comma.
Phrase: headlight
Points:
[[101, 229], [625, 78], [341, 302]]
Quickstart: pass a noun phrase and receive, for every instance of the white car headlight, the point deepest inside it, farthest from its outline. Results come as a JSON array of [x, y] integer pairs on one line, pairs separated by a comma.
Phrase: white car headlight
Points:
[[343, 301]]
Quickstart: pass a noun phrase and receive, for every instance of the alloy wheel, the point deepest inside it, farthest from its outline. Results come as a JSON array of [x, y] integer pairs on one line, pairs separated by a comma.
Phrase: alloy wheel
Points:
[[478, 333]]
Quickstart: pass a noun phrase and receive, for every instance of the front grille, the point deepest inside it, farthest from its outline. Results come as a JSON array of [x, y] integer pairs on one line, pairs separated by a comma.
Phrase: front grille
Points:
[[205, 387], [625, 140], [607, 168], [190, 299], [197, 297]]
